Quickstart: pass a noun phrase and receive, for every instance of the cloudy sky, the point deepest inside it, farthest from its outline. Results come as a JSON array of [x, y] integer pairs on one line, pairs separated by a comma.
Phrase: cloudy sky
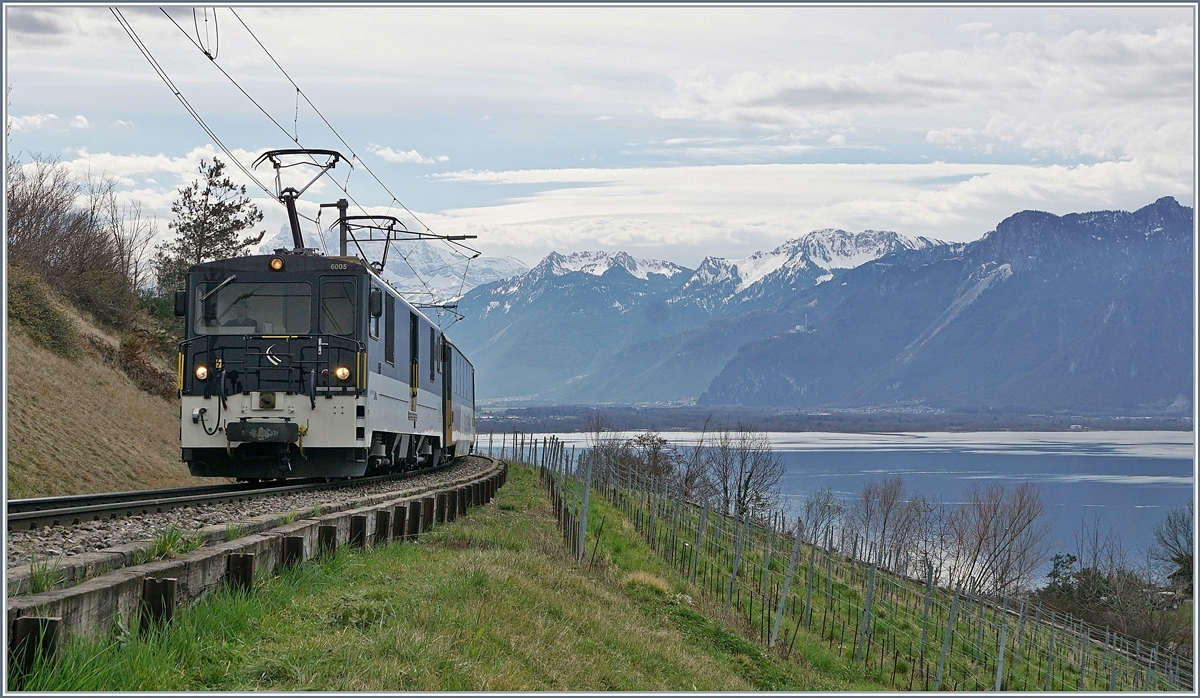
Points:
[[669, 132]]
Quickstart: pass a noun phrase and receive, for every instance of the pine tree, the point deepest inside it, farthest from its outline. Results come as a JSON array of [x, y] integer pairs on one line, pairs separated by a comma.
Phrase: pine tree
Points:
[[209, 215]]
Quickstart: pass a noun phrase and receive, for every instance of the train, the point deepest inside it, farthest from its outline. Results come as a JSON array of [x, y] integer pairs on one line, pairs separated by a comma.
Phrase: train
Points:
[[301, 365]]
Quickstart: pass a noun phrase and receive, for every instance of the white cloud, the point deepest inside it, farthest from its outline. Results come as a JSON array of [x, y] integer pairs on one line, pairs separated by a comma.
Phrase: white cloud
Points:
[[604, 118], [33, 121], [836, 139], [950, 135], [80, 121], [120, 122], [973, 27], [391, 155], [683, 213], [1084, 93]]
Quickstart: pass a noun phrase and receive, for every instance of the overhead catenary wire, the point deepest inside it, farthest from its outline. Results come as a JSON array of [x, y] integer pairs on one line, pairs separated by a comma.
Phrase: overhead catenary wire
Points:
[[162, 74], [348, 147], [342, 187]]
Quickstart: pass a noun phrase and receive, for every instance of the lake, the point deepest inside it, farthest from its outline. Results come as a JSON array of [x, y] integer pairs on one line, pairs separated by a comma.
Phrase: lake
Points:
[[1130, 479]]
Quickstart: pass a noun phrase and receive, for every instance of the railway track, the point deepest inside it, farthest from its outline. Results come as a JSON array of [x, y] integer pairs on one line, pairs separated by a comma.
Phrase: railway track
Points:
[[30, 514]]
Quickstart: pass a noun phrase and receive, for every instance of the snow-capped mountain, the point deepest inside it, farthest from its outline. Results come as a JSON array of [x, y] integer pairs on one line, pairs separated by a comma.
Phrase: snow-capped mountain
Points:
[[796, 264], [596, 263], [429, 270], [1087, 312], [620, 279]]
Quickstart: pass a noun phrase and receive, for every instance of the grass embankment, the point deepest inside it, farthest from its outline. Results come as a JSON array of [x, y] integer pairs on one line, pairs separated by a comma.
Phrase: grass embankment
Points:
[[489, 602], [76, 424]]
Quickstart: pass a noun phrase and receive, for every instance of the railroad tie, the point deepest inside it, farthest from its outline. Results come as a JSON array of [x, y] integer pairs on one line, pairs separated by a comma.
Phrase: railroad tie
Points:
[[441, 507]]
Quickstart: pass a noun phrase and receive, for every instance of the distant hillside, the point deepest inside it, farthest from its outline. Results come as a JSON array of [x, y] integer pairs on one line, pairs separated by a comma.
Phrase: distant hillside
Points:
[[1089, 312]]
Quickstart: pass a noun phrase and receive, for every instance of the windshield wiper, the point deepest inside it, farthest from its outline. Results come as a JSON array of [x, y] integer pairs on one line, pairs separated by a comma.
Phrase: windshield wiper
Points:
[[220, 286]]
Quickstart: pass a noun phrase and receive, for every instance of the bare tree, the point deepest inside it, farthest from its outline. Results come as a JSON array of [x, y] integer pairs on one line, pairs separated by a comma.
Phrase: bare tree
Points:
[[692, 472], [1104, 585], [874, 511], [998, 537], [745, 471], [823, 511], [132, 235], [61, 231]]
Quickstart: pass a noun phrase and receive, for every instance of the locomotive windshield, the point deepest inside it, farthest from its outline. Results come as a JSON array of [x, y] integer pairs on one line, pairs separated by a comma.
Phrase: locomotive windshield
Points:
[[253, 308]]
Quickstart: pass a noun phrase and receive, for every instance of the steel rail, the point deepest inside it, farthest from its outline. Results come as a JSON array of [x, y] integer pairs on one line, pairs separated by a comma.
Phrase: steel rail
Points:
[[30, 514]]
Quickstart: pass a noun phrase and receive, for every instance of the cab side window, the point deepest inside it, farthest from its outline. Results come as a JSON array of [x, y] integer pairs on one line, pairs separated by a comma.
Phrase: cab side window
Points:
[[338, 303]]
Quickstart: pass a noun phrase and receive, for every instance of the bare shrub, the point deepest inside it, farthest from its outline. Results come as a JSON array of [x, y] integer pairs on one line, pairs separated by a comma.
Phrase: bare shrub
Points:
[[1174, 546], [1102, 583]]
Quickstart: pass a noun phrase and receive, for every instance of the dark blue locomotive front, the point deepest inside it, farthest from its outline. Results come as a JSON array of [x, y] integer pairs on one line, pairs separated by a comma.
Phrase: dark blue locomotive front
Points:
[[299, 365]]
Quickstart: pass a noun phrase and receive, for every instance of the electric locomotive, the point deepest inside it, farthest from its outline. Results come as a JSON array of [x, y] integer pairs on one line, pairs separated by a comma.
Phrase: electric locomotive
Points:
[[298, 365]]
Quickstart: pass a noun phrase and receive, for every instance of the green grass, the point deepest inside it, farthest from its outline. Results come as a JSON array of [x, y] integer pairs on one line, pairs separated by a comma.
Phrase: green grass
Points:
[[43, 575], [489, 602], [170, 543]]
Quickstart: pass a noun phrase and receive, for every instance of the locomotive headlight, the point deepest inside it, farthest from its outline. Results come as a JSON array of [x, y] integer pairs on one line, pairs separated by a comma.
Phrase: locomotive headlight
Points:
[[342, 373], [277, 264], [201, 372]]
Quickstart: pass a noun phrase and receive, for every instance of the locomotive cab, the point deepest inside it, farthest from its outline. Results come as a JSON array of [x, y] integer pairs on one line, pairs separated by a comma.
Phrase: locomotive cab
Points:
[[282, 372]]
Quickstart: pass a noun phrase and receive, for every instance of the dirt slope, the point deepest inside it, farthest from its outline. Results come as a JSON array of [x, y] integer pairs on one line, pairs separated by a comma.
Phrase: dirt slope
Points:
[[79, 425]]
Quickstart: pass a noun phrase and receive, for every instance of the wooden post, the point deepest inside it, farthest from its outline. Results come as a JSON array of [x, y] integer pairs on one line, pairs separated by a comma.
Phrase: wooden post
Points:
[[416, 511], [1050, 655], [159, 597], [327, 539], [586, 496], [949, 635], [1003, 638], [737, 557], [293, 550], [428, 504], [32, 638], [383, 527], [358, 531], [812, 573], [451, 505], [400, 522], [925, 615], [240, 571], [699, 540], [864, 626]]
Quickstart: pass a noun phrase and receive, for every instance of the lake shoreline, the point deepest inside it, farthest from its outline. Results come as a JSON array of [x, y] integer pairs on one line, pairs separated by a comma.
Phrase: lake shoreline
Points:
[[573, 418]]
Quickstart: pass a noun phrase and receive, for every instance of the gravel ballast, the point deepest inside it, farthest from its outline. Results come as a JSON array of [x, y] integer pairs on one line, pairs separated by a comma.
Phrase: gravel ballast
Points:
[[56, 542]]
